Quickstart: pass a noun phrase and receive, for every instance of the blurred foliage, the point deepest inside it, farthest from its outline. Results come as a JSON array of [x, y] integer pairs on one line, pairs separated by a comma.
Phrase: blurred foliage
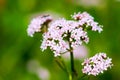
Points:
[[17, 48]]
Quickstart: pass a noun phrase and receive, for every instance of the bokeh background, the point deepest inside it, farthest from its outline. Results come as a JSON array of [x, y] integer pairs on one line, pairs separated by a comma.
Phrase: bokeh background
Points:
[[20, 55]]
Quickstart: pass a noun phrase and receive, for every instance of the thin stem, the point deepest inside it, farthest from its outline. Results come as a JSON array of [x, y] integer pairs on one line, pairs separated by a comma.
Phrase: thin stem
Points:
[[61, 64], [64, 65], [88, 77], [73, 71], [72, 63], [84, 75]]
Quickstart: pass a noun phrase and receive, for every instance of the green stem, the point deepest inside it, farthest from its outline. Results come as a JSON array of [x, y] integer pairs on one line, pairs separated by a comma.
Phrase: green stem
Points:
[[66, 70], [61, 64], [72, 64], [73, 71], [84, 75]]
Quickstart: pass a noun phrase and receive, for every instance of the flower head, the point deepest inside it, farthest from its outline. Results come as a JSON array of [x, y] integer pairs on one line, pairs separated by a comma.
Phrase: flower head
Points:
[[60, 33], [63, 34], [36, 24], [96, 64], [86, 19]]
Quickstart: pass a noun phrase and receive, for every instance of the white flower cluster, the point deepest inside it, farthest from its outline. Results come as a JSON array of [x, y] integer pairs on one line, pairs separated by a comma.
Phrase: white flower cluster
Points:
[[60, 33], [85, 19], [64, 34], [96, 64], [36, 24]]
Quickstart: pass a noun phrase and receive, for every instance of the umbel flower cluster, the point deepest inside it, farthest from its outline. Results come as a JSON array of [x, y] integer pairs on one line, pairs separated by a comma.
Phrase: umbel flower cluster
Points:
[[96, 64], [60, 32], [63, 36], [37, 23]]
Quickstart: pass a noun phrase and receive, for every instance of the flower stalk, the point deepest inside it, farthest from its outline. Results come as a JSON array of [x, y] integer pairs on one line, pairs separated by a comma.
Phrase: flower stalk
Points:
[[62, 36], [73, 71]]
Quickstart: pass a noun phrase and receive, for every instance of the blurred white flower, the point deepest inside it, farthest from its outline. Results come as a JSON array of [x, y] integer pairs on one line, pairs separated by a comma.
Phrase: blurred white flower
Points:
[[34, 67], [96, 64], [90, 3], [43, 74], [80, 52]]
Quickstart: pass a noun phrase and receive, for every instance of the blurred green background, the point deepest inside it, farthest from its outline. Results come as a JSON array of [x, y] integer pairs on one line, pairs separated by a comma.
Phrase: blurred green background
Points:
[[20, 55]]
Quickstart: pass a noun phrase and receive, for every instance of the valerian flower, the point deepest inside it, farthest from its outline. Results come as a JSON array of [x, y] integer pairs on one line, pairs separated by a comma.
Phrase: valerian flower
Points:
[[86, 19], [37, 23], [62, 33], [65, 36], [96, 64]]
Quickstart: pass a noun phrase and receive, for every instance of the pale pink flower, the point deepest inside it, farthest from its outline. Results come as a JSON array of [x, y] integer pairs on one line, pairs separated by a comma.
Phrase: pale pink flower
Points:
[[86, 19], [80, 53], [96, 64], [36, 24], [61, 32], [58, 31]]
